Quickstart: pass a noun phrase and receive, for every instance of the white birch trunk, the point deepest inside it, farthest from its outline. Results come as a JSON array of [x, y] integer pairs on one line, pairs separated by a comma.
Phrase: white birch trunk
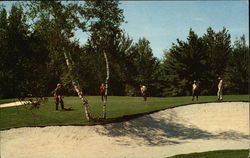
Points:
[[106, 86], [78, 88]]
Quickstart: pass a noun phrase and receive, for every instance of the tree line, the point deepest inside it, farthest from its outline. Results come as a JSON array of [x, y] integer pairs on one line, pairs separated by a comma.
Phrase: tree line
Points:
[[38, 51]]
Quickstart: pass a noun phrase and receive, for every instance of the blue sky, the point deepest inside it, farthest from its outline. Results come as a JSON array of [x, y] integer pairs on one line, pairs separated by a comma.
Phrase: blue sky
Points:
[[162, 22]]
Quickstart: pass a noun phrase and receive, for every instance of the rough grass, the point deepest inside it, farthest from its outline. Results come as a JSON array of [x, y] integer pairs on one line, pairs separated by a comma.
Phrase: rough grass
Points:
[[118, 109], [216, 154]]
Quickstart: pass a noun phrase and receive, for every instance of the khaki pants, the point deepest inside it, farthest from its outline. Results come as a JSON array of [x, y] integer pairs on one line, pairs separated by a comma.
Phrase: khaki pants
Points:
[[219, 94]]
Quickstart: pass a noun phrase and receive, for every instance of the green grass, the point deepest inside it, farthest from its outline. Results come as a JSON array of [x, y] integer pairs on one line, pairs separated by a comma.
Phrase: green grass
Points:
[[216, 154], [117, 107]]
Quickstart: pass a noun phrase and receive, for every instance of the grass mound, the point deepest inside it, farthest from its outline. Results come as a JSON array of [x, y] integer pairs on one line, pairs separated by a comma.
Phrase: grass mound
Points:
[[118, 109], [216, 154]]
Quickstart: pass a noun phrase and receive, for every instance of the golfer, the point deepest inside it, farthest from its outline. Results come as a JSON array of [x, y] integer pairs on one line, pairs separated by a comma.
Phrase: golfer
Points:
[[102, 91], [195, 88], [144, 92], [58, 94], [220, 89]]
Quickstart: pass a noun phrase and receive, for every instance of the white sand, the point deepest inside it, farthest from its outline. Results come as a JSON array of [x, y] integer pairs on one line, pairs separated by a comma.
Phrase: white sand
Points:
[[187, 129], [17, 103]]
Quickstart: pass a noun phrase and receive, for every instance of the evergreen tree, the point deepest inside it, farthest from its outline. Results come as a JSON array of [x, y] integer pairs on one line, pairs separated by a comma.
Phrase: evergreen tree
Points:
[[218, 49], [237, 69], [23, 55], [5, 90], [182, 64], [141, 64]]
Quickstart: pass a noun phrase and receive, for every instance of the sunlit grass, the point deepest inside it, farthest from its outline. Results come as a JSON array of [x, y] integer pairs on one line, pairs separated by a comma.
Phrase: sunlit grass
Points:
[[216, 154], [117, 107]]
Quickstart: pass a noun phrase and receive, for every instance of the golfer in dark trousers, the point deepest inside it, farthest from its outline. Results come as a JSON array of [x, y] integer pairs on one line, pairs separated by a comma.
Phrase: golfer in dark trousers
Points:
[[58, 93], [195, 88], [102, 91]]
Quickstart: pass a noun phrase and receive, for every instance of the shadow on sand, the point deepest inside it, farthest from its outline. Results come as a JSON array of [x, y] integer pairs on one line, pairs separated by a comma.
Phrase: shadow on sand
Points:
[[162, 131]]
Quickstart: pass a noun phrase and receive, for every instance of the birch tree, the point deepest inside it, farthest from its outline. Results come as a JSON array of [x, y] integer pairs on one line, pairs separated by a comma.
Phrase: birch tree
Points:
[[104, 19], [57, 23]]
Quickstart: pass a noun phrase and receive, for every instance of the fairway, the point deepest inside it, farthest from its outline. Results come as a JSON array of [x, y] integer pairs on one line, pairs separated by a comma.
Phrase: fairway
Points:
[[216, 154], [118, 109]]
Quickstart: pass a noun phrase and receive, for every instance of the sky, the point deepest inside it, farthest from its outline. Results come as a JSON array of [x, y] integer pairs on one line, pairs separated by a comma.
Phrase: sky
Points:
[[162, 22]]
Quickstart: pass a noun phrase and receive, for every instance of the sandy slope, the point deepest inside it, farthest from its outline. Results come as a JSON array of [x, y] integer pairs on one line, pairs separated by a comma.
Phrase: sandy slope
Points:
[[193, 128], [17, 103]]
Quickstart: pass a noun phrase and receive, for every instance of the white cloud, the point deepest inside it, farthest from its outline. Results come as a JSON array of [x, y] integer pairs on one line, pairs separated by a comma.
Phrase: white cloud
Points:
[[199, 19]]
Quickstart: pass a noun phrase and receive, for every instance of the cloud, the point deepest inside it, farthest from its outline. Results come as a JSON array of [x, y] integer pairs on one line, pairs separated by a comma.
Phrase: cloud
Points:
[[199, 19]]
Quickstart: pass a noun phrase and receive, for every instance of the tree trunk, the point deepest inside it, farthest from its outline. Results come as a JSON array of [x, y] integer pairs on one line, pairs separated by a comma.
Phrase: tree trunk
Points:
[[106, 86], [77, 87]]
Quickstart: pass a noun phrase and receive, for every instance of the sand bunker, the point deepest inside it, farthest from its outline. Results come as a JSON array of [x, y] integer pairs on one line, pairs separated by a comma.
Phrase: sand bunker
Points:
[[187, 129], [17, 103]]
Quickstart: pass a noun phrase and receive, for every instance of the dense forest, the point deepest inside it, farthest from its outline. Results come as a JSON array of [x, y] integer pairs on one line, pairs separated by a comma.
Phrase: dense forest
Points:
[[37, 44]]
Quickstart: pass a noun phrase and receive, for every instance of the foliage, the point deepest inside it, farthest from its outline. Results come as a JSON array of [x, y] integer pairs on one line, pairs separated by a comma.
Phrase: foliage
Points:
[[238, 68], [21, 51], [104, 20], [140, 64], [184, 63], [218, 49], [35, 35], [199, 58]]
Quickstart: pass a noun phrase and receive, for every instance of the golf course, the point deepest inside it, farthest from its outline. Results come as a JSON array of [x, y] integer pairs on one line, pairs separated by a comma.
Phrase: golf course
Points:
[[159, 127], [118, 109], [124, 79]]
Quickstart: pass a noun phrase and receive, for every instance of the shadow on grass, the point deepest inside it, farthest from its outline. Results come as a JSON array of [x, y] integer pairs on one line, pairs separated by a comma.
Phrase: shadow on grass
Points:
[[68, 109], [157, 132]]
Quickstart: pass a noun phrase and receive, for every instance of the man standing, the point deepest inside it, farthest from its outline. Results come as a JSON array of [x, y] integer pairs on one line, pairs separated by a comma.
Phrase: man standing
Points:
[[58, 94], [195, 92], [102, 91], [220, 89], [144, 92]]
